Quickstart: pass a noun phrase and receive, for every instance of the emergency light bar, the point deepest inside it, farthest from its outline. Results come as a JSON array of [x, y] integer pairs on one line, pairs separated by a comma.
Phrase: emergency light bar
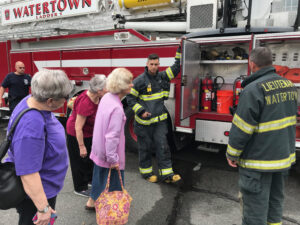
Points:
[[121, 36]]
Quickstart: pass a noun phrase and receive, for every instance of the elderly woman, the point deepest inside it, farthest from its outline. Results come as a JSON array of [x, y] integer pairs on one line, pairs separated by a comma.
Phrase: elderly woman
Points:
[[108, 149], [38, 147], [80, 132]]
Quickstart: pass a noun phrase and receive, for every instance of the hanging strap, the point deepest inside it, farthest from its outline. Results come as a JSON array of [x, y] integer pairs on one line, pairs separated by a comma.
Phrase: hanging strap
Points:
[[13, 127], [108, 180]]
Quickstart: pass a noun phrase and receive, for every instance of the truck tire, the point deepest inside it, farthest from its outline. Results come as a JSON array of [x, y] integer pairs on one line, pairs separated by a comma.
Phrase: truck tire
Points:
[[130, 136]]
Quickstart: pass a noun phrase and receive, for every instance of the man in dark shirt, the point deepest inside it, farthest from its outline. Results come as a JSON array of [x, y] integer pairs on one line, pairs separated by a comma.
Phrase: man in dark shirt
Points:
[[18, 84]]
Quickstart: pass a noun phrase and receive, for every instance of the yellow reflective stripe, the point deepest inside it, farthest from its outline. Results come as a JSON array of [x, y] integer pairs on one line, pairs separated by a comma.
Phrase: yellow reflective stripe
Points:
[[276, 124], [154, 96], [280, 223], [152, 120], [268, 165], [146, 170], [178, 55], [244, 126], [163, 116], [166, 171], [145, 122], [166, 94], [134, 92], [232, 151], [136, 107], [170, 73]]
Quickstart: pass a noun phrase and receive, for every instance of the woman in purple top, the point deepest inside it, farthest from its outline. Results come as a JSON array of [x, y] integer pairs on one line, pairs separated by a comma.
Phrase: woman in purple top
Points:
[[80, 127], [108, 148], [38, 146]]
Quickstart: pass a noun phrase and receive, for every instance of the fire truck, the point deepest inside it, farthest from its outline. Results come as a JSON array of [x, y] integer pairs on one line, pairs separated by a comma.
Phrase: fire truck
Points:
[[88, 37]]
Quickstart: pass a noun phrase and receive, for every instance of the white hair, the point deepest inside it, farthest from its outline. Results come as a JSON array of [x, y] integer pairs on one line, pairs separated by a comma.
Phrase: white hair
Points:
[[47, 84], [118, 80], [97, 83]]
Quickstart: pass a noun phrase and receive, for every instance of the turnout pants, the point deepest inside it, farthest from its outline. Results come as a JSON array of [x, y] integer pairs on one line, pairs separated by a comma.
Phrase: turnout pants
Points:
[[81, 168], [153, 136], [261, 196]]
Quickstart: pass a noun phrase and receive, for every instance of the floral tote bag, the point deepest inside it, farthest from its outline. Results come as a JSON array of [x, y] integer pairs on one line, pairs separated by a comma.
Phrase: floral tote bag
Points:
[[112, 208]]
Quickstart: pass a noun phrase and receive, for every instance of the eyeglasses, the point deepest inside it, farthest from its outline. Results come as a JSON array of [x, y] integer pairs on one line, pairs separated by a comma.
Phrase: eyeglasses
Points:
[[59, 98], [21, 67]]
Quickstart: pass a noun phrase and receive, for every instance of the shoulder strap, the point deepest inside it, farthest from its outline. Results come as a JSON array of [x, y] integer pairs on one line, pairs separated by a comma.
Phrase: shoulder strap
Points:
[[13, 127], [4, 146]]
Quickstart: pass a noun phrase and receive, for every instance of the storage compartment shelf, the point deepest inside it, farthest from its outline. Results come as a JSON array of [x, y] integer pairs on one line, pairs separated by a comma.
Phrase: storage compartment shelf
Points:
[[244, 61]]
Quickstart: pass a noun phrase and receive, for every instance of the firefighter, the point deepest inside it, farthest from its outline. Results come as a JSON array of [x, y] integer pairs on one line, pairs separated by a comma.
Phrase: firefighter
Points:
[[18, 84], [147, 101], [262, 140]]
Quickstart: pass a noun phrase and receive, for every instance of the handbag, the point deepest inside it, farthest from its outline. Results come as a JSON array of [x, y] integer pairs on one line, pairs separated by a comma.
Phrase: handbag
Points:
[[11, 187], [70, 103], [112, 208]]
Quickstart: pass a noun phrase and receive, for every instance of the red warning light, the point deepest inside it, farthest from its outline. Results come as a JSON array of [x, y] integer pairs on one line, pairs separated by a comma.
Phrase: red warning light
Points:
[[226, 133]]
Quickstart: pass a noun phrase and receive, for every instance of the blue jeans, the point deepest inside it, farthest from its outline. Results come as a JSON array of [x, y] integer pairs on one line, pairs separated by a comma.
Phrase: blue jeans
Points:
[[100, 175]]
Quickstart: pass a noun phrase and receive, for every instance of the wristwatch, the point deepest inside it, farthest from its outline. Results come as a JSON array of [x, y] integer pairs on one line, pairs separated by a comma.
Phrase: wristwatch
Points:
[[46, 209]]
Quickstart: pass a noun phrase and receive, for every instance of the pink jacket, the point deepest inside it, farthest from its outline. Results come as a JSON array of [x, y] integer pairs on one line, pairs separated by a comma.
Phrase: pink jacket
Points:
[[108, 138]]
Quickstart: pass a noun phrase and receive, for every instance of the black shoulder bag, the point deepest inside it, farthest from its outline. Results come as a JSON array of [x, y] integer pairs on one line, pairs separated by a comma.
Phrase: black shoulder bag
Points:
[[11, 187]]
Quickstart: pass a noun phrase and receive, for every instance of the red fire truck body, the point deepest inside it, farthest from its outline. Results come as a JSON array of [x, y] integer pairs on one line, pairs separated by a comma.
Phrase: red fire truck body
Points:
[[82, 62]]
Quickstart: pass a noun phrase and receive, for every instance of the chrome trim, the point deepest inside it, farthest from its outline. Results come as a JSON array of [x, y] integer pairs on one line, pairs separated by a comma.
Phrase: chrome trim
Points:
[[184, 130]]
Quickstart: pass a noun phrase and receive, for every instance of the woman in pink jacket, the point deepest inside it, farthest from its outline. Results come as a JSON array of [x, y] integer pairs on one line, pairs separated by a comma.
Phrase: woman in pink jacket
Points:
[[108, 148]]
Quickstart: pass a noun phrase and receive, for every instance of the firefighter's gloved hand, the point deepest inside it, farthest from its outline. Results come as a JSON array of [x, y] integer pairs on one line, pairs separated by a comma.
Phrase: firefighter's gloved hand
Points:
[[178, 52]]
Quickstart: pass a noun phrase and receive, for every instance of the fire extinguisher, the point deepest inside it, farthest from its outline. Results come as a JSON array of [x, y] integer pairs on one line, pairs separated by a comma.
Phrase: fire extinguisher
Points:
[[206, 87], [237, 89], [217, 85]]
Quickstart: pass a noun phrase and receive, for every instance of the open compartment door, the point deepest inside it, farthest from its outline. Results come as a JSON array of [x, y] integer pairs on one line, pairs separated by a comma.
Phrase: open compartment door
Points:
[[190, 79]]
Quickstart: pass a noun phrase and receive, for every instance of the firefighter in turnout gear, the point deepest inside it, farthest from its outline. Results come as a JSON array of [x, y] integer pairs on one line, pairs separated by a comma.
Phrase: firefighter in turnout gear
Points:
[[262, 140], [147, 101]]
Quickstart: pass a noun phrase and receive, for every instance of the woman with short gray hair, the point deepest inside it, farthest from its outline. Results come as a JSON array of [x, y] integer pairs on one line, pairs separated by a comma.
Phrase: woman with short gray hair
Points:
[[52, 84], [38, 148], [80, 132], [97, 83]]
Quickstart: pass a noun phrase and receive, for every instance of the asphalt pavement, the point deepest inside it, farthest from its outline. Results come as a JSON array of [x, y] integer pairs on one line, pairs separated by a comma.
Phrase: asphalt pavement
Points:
[[208, 195]]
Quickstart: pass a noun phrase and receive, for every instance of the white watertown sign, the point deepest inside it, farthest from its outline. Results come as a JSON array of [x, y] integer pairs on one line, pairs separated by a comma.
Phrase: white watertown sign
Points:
[[34, 11]]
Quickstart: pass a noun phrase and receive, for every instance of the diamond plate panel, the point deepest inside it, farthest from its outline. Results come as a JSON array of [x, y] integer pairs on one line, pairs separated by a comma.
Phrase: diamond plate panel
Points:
[[201, 16], [212, 131]]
